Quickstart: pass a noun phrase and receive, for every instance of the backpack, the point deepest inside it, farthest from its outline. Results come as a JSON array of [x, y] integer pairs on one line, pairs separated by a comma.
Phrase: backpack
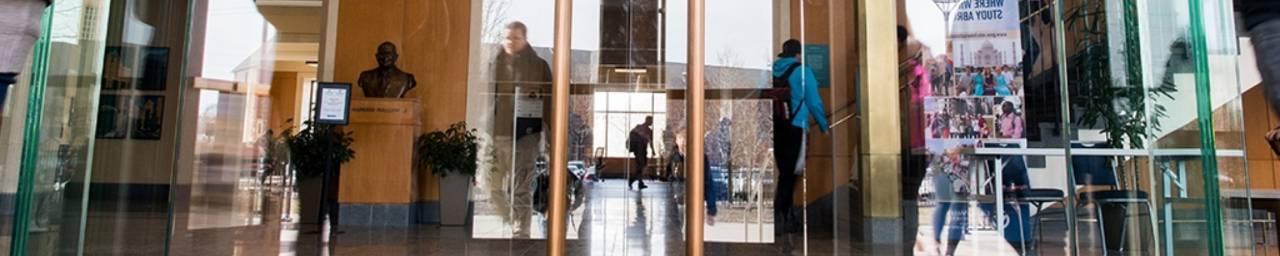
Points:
[[782, 94], [635, 142]]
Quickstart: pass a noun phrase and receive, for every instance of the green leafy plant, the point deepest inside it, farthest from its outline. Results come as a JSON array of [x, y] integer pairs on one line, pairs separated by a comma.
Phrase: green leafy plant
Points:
[[276, 160], [1118, 108], [318, 148], [449, 151]]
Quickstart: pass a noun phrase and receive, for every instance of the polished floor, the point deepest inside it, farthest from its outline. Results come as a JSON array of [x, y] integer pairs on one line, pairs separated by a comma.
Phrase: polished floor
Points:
[[616, 220]]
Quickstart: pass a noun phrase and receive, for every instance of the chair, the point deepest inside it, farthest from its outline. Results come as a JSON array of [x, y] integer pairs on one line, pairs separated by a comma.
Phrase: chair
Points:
[[1038, 197], [1099, 170], [1015, 174]]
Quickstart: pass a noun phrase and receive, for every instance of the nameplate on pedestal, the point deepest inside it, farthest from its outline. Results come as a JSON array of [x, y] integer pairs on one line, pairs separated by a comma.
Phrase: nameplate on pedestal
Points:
[[386, 111]]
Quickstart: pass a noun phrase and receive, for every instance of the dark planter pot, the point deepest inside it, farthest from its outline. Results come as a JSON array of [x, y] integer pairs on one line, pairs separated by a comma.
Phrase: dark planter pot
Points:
[[309, 195], [455, 199]]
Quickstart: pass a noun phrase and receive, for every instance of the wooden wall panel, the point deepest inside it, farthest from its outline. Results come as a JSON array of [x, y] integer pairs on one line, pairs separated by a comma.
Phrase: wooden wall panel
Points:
[[284, 100], [362, 25], [433, 39], [1262, 174], [830, 156], [1258, 120]]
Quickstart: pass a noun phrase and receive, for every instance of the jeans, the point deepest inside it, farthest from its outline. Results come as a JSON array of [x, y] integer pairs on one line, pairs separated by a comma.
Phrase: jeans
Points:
[[1266, 43], [710, 189], [958, 221]]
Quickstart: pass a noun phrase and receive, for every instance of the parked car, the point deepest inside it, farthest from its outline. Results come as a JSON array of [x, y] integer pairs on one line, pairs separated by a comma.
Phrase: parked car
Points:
[[584, 172]]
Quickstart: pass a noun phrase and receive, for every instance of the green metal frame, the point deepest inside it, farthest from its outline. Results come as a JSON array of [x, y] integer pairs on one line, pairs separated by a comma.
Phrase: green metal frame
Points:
[[31, 138], [1204, 113]]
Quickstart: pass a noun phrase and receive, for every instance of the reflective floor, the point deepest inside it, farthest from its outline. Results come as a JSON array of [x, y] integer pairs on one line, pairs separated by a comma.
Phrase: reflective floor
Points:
[[615, 221]]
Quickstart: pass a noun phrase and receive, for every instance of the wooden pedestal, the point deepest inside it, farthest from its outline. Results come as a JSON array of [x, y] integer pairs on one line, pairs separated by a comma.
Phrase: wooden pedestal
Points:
[[382, 171]]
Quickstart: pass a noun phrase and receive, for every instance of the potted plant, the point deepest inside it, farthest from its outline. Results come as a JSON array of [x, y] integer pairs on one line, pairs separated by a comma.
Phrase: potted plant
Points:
[[316, 154], [451, 155], [1123, 108]]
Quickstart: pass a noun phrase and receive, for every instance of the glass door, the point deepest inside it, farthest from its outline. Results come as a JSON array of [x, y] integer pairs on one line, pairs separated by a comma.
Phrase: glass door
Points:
[[53, 106]]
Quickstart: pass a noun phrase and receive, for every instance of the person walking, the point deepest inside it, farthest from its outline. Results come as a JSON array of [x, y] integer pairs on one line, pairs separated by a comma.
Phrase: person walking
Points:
[[718, 153], [797, 103], [521, 79], [675, 162], [639, 142], [950, 174]]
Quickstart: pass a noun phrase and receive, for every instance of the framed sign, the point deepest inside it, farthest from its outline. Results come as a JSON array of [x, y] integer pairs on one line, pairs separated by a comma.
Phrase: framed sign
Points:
[[817, 58], [333, 103]]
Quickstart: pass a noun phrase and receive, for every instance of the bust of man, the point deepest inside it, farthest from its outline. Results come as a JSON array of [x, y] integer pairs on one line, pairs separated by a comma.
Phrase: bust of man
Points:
[[386, 81]]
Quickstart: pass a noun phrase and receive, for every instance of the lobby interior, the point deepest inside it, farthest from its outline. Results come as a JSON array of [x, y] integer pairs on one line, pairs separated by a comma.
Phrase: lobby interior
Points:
[[227, 80]]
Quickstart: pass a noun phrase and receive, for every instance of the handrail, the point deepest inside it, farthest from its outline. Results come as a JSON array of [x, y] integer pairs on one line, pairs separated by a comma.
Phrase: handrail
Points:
[[842, 120]]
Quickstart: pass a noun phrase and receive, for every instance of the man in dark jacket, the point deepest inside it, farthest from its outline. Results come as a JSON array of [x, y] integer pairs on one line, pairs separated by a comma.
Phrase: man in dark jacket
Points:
[[1262, 19], [522, 81], [639, 143]]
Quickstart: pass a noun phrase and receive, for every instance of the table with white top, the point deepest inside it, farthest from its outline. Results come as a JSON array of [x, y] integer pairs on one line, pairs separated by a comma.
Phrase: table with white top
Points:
[[1179, 157]]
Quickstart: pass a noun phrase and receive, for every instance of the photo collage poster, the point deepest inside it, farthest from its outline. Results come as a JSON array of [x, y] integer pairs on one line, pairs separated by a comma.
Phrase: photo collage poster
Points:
[[981, 100]]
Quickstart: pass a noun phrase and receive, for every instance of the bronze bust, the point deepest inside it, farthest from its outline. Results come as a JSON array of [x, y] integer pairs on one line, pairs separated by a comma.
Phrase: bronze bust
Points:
[[386, 81]]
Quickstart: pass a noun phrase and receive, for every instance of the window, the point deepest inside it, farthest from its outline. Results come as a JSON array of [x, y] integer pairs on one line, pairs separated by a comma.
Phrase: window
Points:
[[617, 112]]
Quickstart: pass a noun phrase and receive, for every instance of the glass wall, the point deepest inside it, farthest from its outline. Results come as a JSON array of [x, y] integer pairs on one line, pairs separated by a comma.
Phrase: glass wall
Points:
[[1069, 127], [50, 126], [1113, 151]]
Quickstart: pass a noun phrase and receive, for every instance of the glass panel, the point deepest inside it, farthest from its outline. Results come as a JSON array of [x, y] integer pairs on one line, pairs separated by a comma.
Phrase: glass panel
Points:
[[985, 168], [618, 80], [516, 84], [1110, 115], [247, 86], [1239, 218], [63, 81], [1179, 109], [625, 49], [739, 50]]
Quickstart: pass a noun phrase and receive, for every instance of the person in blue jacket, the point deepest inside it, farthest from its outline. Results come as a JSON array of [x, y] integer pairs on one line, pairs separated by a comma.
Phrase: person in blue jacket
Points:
[[1002, 82], [803, 106], [979, 82]]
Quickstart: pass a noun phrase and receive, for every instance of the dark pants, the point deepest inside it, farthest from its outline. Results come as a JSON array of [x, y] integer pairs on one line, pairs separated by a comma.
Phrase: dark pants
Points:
[[787, 141], [710, 189], [951, 216], [331, 205], [783, 202], [641, 163], [1266, 43], [5, 81]]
